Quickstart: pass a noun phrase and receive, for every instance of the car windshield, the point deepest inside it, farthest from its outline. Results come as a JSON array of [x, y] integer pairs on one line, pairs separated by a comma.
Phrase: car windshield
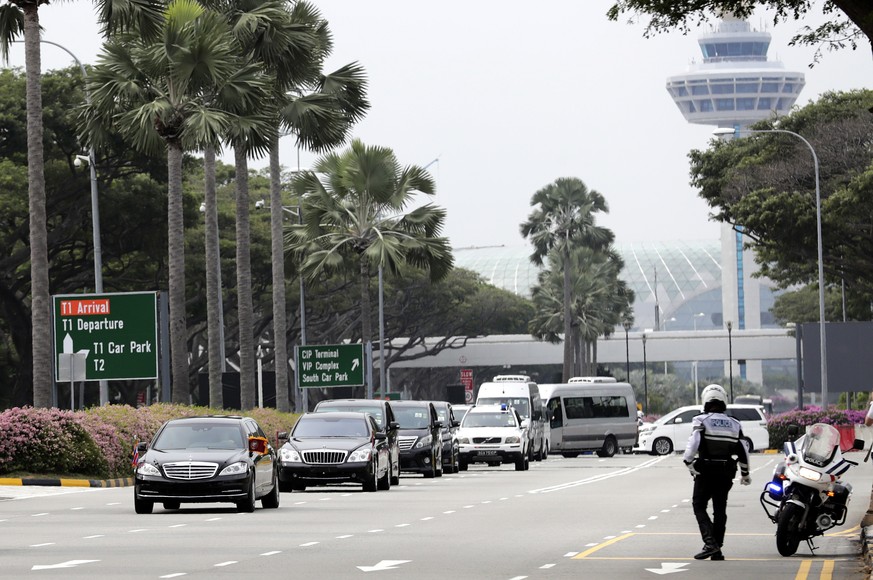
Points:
[[412, 417], [459, 413], [200, 436], [442, 415], [489, 420], [520, 404], [376, 412], [314, 426]]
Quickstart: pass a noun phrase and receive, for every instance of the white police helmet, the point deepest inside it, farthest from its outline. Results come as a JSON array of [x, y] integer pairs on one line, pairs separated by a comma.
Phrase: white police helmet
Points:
[[713, 393]]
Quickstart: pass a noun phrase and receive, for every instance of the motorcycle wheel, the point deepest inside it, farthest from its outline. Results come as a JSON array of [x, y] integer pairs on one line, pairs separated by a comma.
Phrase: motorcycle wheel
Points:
[[787, 529]]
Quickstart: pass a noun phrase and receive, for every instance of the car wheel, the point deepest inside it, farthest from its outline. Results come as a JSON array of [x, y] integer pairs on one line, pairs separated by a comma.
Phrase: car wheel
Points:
[[662, 446], [298, 487], [372, 481], [519, 463], [462, 465], [749, 444], [385, 481], [526, 463], [248, 504], [570, 454], [271, 500], [610, 447], [456, 462], [172, 505], [285, 487], [142, 506]]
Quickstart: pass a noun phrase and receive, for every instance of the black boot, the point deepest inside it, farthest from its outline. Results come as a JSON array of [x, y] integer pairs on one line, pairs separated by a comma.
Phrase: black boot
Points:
[[709, 550]]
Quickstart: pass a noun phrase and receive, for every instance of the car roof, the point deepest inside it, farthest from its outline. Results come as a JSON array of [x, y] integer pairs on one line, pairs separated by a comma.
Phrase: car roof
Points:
[[202, 418], [408, 403], [358, 402], [336, 414]]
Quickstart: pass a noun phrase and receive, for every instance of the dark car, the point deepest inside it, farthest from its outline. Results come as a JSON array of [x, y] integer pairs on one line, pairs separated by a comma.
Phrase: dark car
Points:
[[384, 416], [207, 459], [421, 449], [333, 448], [448, 435]]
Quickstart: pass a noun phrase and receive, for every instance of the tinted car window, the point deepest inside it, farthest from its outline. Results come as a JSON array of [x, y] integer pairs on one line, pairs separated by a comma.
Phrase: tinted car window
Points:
[[200, 435], [373, 410], [687, 416], [744, 414], [413, 417], [314, 426], [522, 405]]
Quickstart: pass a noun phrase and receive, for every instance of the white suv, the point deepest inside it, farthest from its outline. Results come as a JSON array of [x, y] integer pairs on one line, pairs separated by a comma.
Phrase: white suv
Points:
[[493, 434], [671, 432]]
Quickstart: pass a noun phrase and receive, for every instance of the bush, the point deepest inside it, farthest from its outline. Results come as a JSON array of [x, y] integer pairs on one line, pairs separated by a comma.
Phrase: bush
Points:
[[778, 424], [99, 441]]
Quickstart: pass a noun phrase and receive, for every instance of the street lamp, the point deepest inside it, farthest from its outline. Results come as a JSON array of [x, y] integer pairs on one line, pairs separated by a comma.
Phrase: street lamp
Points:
[[695, 317], [627, 326], [821, 298], [645, 378], [730, 359]]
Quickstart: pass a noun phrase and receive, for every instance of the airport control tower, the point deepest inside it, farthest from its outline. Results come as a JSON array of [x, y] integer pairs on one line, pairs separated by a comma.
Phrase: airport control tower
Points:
[[734, 85]]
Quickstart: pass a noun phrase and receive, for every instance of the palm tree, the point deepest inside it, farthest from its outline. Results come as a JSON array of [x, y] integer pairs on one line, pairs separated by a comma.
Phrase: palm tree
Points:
[[17, 18], [180, 93], [354, 216], [564, 219]]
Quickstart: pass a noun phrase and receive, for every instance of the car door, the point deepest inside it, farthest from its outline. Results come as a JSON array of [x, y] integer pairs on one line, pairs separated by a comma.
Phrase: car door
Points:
[[391, 430], [263, 462], [680, 427]]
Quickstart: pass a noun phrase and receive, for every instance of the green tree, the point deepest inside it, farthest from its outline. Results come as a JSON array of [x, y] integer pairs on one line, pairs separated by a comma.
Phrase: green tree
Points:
[[765, 183], [847, 22], [354, 214], [564, 219], [177, 94], [21, 18]]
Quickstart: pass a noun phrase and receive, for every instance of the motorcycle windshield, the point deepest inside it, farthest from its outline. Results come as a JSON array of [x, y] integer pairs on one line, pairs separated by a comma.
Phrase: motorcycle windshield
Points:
[[820, 444]]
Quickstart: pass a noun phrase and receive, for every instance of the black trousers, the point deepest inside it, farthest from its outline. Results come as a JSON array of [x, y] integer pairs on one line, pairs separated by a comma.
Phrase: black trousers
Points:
[[715, 488]]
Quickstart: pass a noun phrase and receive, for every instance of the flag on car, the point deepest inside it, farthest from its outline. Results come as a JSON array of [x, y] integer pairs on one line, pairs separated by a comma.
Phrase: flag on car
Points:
[[135, 454]]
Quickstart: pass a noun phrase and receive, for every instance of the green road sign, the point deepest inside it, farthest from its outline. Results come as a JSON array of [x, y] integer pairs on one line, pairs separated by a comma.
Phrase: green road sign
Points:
[[330, 365], [106, 336]]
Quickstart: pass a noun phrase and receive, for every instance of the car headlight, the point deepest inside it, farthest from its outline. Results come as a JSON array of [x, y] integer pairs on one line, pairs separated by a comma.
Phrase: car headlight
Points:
[[147, 469], [289, 455], [237, 468], [425, 441], [360, 454], [513, 439], [464, 440]]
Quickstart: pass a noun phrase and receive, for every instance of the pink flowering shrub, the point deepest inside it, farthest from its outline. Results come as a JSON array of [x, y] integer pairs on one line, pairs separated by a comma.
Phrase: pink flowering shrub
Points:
[[47, 441], [778, 424], [98, 441]]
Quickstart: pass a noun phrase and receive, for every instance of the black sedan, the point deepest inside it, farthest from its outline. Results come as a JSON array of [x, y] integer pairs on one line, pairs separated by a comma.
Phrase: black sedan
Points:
[[332, 448], [207, 459]]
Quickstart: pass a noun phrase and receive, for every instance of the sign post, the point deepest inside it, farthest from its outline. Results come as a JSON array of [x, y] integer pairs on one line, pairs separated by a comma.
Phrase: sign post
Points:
[[467, 381], [331, 365], [105, 336]]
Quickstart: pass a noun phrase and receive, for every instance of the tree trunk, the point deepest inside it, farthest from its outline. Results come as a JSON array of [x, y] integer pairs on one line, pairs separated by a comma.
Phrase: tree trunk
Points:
[[176, 247], [593, 358], [248, 399], [39, 277], [568, 318], [280, 321], [214, 315]]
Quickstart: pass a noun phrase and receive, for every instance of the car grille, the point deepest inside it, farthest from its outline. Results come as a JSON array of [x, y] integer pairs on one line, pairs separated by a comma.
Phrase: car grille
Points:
[[190, 470], [406, 443], [487, 439], [324, 456]]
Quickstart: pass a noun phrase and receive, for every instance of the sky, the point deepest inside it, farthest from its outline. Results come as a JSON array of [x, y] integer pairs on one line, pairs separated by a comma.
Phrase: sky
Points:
[[500, 98]]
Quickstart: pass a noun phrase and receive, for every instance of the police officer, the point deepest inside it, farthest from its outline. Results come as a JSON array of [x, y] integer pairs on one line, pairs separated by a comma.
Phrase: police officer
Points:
[[715, 440]]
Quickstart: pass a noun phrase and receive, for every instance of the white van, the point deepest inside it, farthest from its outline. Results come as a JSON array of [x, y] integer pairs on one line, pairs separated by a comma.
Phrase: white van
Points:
[[591, 414], [671, 432], [521, 393]]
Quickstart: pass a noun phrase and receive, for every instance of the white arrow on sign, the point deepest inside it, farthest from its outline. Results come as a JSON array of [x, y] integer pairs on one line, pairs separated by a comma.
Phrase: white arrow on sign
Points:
[[383, 565], [67, 564], [355, 363], [668, 568]]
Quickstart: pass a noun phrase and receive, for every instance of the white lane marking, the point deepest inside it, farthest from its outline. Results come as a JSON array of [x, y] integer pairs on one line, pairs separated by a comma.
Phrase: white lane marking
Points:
[[273, 553], [94, 536], [487, 501], [601, 477], [401, 525], [136, 531], [67, 564], [449, 512], [665, 511], [213, 519], [222, 564], [427, 518], [546, 566], [625, 532], [307, 544], [466, 507], [299, 503], [325, 499], [641, 526], [39, 514], [178, 525], [504, 498], [114, 503], [591, 544], [344, 537], [77, 508], [41, 545], [374, 531], [653, 517], [571, 554], [176, 575], [608, 537], [518, 578]]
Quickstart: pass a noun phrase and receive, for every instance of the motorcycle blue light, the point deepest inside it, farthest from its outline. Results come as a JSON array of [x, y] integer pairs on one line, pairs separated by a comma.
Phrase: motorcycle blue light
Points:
[[774, 490]]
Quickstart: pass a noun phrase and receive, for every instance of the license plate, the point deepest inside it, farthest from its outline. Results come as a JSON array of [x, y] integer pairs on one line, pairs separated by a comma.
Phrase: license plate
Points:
[[487, 452]]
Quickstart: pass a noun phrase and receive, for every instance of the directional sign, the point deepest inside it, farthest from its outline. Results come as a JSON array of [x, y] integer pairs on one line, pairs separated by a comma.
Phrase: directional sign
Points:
[[106, 336], [332, 365]]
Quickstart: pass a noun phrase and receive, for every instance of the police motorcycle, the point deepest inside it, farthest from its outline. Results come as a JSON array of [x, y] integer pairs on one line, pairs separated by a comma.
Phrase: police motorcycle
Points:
[[806, 496]]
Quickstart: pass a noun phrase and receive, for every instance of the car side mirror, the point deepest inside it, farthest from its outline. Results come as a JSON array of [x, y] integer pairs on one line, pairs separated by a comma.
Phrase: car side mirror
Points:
[[394, 425], [678, 420], [380, 436], [142, 447], [282, 436], [525, 423], [439, 424], [258, 445], [456, 423], [858, 444]]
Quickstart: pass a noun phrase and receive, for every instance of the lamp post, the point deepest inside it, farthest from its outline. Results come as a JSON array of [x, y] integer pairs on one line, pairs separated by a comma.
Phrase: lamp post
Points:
[[645, 378], [627, 326], [820, 249], [730, 359]]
